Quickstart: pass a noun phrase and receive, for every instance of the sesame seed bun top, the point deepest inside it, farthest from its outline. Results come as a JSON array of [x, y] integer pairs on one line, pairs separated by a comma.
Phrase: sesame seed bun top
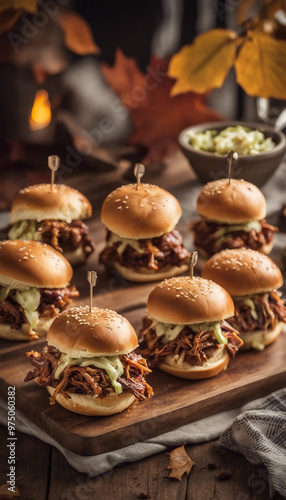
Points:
[[187, 300], [243, 272], [147, 212], [235, 202], [31, 263], [41, 201], [101, 332]]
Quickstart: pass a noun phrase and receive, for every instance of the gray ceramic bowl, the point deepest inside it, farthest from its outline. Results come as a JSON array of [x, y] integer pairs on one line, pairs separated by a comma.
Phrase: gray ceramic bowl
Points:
[[256, 169]]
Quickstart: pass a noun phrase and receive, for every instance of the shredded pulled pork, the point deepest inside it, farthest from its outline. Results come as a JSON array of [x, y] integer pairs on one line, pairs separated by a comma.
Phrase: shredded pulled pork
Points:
[[66, 237], [166, 250], [196, 347], [88, 380], [53, 301], [12, 313], [206, 240], [270, 309]]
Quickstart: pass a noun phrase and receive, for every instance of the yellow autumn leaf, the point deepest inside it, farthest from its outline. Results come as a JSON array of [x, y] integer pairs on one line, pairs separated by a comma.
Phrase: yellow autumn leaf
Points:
[[78, 35], [260, 66], [28, 5], [204, 64]]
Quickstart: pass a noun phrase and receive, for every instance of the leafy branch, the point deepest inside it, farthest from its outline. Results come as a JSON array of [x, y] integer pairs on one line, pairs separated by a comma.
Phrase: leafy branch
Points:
[[258, 54]]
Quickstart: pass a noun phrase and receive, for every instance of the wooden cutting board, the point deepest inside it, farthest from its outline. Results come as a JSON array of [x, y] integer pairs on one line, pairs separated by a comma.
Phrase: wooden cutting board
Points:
[[176, 402]]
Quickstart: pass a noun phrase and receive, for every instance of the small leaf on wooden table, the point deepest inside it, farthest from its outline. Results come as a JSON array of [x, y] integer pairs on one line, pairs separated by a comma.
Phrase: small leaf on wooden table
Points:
[[180, 463], [5, 494]]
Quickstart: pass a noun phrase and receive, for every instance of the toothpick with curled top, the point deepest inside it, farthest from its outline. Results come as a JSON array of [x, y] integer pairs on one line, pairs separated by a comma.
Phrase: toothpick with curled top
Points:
[[231, 157], [53, 164], [92, 279], [139, 171], [192, 261]]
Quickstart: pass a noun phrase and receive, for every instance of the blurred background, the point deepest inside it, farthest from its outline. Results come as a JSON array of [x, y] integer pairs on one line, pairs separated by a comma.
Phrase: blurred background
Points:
[[88, 81]]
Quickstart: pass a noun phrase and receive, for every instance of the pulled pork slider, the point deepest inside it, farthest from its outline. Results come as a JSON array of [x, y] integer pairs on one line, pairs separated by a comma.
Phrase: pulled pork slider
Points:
[[53, 216], [251, 279], [142, 243], [88, 365], [185, 333], [34, 288], [232, 216]]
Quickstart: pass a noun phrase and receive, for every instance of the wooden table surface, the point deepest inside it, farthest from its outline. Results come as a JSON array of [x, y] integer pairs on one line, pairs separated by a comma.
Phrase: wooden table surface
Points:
[[44, 474]]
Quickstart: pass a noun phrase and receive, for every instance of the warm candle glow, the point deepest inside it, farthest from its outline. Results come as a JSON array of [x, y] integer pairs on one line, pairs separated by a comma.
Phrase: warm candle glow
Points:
[[41, 111]]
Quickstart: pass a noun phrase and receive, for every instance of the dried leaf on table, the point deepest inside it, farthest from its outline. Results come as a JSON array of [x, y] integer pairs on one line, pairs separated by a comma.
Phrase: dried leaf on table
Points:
[[204, 64], [260, 66], [5, 494], [78, 35], [180, 463], [157, 117]]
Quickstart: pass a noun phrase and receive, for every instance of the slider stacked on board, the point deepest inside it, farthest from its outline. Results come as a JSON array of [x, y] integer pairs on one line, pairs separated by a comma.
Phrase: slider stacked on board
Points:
[[186, 332], [53, 213], [34, 288], [142, 243], [88, 365], [232, 216], [252, 279]]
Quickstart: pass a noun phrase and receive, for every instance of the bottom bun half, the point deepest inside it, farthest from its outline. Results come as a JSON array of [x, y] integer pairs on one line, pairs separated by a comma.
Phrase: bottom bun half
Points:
[[148, 275], [264, 337], [76, 257], [8, 333], [90, 406], [266, 248], [216, 364]]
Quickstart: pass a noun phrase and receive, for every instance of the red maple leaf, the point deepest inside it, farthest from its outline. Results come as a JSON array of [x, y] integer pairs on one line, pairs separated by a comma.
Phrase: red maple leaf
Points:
[[158, 118]]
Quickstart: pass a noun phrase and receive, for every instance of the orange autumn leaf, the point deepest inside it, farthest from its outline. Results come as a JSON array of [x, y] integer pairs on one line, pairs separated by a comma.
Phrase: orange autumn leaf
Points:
[[180, 463], [260, 66], [204, 64], [158, 118], [78, 35]]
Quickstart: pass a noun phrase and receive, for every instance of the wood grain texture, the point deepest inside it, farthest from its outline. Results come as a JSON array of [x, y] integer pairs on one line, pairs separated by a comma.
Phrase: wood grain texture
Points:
[[125, 482], [32, 465], [149, 475], [250, 375]]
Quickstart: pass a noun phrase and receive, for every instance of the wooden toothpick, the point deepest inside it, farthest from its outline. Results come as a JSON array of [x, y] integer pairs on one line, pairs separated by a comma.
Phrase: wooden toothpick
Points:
[[231, 158], [139, 171], [53, 163], [91, 278], [192, 261]]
